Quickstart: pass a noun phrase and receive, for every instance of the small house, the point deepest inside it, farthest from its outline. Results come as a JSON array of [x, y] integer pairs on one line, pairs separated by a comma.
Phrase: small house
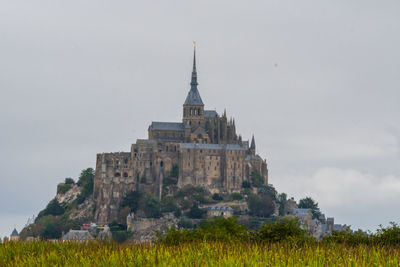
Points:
[[77, 235], [219, 211]]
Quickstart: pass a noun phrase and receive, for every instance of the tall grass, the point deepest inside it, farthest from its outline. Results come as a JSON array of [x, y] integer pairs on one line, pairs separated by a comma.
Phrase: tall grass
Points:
[[196, 254]]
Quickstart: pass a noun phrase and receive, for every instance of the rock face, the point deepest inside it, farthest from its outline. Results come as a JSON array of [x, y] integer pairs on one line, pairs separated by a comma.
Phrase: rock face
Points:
[[84, 212], [144, 229], [70, 195], [204, 147]]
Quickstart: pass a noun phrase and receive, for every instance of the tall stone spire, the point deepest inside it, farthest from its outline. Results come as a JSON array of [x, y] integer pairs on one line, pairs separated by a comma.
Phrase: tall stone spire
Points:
[[193, 98], [253, 146], [194, 83]]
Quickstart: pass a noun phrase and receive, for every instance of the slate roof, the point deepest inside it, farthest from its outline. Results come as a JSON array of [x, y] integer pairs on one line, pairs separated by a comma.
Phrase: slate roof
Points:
[[210, 113], [167, 126], [193, 98], [78, 235], [301, 212], [220, 208], [14, 232], [212, 146]]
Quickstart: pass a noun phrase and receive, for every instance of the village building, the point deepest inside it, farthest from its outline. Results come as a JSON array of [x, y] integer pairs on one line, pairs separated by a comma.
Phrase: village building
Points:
[[219, 211], [14, 235], [78, 236]]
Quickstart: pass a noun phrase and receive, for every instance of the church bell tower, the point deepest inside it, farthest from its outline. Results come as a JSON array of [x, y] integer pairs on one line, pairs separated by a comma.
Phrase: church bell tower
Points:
[[193, 108]]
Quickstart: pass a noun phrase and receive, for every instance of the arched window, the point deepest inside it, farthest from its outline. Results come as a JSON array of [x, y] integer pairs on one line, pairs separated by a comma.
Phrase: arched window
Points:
[[162, 164], [117, 174], [125, 174], [198, 111], [191, 110]]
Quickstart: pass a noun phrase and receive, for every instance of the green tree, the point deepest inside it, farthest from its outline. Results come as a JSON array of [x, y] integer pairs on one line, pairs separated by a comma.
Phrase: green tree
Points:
[[174, 172], [268, 190], [53, 208], [309, 203], [246, 184], [256, 179], [50, 228], [283, 229], [69, 180], [132, 200], [217, 197], [195, 212], [282, 198], [261, 205], [86, 181], [168, 204], [236, 196], [86, 177], [151, 206], [63, 188]]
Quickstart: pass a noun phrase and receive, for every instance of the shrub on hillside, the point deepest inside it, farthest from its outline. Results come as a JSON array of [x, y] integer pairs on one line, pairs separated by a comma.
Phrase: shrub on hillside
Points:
[[53, 208], [63, 188], [151, 206], [256, 179], [50, 227], [195, 212], [349, 237], [69, 180], [285, 229], [219, 229], [217, 197], [236, 196], [246, 184], [86, 181], [261, 205], [132, 200]]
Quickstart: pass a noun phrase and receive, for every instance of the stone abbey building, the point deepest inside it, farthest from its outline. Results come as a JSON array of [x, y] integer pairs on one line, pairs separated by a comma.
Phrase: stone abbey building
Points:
[[204, 147]]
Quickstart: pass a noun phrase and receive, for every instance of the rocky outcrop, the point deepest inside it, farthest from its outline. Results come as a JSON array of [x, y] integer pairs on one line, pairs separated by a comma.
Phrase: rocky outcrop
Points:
[[144, 229], [70, 195]]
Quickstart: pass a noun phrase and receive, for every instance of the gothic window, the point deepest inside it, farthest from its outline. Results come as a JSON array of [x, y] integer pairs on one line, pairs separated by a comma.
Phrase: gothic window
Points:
[[162, 164], [191, 111], [116, 162], [166, 148], [198, 112], [125, 174], [126, 161]]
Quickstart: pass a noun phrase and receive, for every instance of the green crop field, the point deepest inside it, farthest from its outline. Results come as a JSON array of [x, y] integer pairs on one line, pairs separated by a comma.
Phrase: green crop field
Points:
[[195, 254]]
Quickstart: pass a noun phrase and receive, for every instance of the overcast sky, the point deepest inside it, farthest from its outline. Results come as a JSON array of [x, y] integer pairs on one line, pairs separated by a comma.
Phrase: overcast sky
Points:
[[317, 82]]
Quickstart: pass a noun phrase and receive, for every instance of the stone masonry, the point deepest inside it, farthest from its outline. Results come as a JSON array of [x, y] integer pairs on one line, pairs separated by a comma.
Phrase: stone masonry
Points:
[[204, 146]]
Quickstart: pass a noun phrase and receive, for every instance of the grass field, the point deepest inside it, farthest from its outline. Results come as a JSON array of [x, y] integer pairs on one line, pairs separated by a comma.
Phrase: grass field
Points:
[[195, 254]]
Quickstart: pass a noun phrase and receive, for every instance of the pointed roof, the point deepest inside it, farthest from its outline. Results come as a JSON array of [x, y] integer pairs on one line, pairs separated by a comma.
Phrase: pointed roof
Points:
[[253, 143], [193, 97], [14, 232]]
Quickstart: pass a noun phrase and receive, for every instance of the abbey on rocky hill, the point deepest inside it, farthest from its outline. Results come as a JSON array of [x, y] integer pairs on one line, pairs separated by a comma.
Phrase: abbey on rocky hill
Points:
[[204, 148]]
